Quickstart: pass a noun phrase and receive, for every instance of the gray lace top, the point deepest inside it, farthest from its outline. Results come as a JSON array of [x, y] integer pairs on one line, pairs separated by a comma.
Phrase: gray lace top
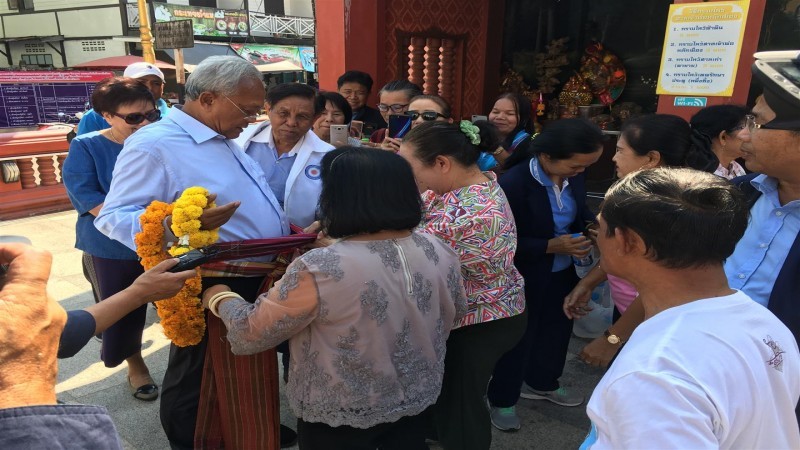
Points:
[[367, 323]]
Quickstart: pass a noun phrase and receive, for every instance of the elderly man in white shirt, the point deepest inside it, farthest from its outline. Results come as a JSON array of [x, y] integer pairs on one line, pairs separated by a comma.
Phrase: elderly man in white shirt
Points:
[[288, 151], [194, 146]]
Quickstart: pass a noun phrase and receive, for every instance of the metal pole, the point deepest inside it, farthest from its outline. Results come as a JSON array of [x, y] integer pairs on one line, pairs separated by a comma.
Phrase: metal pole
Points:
[[144, 32]]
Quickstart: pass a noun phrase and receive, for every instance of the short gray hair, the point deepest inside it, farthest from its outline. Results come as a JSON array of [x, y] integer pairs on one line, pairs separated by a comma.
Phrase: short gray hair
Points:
[[221, 75]]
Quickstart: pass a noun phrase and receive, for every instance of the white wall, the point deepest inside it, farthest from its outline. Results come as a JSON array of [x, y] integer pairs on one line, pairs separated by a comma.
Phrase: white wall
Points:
[[79, 51], [301, 8], [91, 22], [38, 24], [49, 5], [33, 48]]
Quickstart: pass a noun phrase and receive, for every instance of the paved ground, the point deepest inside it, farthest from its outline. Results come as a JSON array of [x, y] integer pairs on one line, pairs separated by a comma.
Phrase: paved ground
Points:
[[83, 379]]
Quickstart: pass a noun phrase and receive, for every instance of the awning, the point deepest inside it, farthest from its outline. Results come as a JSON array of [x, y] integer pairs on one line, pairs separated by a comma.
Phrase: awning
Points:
[[194, 55], [120, 62]]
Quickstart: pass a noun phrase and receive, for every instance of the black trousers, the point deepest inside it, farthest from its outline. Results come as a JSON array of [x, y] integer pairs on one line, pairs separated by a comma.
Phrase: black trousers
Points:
[[538, 359], [406, 434], [460, 414], [124, 338], [180, 390]]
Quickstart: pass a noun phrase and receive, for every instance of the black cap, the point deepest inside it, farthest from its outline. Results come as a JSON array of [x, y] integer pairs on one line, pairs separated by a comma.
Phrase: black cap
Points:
[[785, 105]]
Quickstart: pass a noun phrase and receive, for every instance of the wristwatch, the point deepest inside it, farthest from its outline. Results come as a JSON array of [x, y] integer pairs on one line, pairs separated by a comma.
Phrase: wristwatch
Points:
[[613, 338], [499, 150]]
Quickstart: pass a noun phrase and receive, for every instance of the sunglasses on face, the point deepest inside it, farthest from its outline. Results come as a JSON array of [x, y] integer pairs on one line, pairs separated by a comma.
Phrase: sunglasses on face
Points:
[[137, 118], [426, 115]]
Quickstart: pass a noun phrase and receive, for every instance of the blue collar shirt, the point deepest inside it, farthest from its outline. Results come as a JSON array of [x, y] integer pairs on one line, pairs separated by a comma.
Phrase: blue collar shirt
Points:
[[163, 159], [761, 252], [276, 168], [563, 206]]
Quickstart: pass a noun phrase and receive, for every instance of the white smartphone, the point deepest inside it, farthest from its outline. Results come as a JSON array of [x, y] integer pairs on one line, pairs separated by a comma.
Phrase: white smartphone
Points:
[[339, 135], [476, 118]]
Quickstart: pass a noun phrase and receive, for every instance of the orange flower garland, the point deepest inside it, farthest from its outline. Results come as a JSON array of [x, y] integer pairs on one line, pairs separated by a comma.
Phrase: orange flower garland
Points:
[[182, 316]]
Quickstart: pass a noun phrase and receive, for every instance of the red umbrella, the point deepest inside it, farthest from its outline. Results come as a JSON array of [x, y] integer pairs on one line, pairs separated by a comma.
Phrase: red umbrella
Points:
[[119, 62]]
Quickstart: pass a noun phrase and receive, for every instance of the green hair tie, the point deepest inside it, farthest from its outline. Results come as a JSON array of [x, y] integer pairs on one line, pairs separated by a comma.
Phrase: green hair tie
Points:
[[472, 132]]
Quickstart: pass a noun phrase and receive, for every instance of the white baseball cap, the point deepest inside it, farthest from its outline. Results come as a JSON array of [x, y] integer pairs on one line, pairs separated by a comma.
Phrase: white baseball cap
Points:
[[143, 69]]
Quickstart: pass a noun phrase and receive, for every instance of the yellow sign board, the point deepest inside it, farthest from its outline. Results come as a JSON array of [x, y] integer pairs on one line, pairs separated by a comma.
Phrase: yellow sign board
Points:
[[702, 46]]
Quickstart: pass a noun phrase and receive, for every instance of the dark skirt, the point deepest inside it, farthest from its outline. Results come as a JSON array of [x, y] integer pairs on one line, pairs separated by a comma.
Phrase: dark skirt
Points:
[[123, 339]]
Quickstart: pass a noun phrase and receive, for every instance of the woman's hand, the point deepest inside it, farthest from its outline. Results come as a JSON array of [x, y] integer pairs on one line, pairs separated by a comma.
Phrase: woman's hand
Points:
[[391, 144], [567, 245], [212, 291], [315, 227], [599, 352], [575, 303], [158, 284]]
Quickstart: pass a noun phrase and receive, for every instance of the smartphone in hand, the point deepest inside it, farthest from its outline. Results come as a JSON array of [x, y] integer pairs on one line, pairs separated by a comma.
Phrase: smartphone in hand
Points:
[[339, 135], [399, 124]]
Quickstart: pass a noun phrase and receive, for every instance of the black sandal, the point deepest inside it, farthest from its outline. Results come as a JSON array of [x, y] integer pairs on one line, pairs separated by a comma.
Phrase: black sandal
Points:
[[146, 392]]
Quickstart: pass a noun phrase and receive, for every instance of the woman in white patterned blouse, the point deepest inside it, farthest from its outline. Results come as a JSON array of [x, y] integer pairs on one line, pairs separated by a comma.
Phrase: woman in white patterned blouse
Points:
[[367, 317]]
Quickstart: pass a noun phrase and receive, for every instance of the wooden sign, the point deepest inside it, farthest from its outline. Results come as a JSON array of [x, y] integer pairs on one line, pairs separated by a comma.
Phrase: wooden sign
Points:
[[175, 34]]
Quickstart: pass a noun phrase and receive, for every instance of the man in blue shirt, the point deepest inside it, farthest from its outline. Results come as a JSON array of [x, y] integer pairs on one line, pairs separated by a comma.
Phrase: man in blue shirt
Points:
[[766, 262], [149, 75], [193, 146]]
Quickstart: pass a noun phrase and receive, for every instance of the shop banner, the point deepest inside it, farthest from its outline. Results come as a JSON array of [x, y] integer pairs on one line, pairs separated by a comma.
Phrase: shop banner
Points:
[[206, 21], [272, 58], [309, 59], [30, 98], [702, 46]]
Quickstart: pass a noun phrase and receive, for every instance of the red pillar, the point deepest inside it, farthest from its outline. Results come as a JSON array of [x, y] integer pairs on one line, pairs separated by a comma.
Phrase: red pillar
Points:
[[741, 86], [350, 38]]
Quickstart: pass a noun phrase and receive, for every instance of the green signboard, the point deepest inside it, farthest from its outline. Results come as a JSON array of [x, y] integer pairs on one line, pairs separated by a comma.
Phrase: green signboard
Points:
[[206, 21]]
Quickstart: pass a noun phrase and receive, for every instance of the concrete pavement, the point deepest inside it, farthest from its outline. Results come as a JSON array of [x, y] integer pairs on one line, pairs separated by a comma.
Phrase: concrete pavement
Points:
[[84, 379]]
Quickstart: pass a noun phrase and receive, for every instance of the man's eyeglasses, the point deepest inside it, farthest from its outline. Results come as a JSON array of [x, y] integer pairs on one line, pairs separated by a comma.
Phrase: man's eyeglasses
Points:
[[137, 118], [750, 124], [247, 117], [426, 115], [396, 108]]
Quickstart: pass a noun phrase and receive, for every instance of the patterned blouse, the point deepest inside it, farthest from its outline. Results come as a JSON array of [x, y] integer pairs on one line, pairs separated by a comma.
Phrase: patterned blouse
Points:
[[477, 222], [732, 171], [367, 323]]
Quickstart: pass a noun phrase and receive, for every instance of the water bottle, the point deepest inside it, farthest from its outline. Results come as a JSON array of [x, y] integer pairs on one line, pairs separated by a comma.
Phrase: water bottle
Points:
[[583, 265]]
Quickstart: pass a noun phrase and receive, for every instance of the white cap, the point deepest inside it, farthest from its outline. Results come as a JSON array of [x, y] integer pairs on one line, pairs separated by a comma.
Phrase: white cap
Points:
[[143, 69]]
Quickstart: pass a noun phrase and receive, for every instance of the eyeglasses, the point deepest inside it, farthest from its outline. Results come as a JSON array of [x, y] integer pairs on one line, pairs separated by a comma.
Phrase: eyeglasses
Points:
[[137, 118], [396, 108], [750, 124], [347, 93], [426, 115], [247, 117]]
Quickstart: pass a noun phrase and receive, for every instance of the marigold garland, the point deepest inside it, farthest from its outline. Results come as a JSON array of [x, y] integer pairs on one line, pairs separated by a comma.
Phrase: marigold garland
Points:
[[182, 316]]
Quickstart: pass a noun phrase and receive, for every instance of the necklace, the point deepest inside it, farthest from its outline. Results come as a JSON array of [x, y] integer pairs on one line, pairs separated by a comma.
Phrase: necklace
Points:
[[114, 138]]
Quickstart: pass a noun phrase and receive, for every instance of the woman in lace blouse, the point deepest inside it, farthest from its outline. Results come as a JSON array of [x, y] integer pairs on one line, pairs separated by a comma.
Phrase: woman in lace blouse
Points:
[[466, 208], [367, 317]]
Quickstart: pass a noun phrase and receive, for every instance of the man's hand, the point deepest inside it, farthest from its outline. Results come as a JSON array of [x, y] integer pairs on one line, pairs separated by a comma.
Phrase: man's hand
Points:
[[158, 284], [217, 216], [31, 324]]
